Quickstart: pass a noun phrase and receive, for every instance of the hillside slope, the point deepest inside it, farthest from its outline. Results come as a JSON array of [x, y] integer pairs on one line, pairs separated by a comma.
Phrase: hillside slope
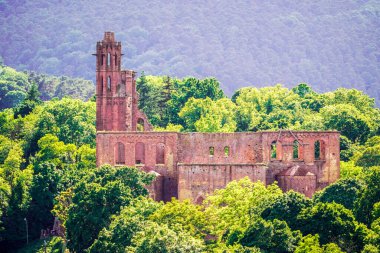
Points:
[[327, 44]]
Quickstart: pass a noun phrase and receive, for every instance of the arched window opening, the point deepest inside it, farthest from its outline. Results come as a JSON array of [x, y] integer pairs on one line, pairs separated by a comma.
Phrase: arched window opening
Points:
[[273, 150], [317, 150], [109, 83], [295, 149], [102, 60], [140, 153], [226, 151], [115, 59], [120, 153], [160, 153], [108, 59], [140, 125], [211, 151]]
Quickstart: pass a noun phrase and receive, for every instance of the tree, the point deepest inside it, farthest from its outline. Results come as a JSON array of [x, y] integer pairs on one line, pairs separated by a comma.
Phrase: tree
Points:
[[159, 238], [270, 236], [182, 214], [123, 227], [31, 100], [310, 244], [331, 221], [206, 115], [344, 191], [369, 196], [286, 207], [237, 205], [98, 196], [348, 120]]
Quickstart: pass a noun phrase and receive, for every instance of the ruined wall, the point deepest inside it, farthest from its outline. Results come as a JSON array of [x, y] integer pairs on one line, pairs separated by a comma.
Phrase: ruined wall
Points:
[[242, 148], [196, 181], [325, 167], [141, 149]]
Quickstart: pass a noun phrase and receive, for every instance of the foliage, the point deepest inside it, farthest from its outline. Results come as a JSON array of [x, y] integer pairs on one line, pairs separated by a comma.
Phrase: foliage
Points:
[[271, 236], [310, 244], [100, 194], [159, 238], [123, 227], [237, 204], [331, 221], [369, 196], [344, 192], [23, 89], [286, 207], [183, 214]]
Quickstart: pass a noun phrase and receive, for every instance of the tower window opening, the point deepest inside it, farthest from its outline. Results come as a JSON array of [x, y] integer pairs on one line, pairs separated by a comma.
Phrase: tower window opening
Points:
[[295, 149], [108, 59], [211, 151], [273, 150], [226, 151], [140, 125], [102, 60], [109, 83], [115, 59]]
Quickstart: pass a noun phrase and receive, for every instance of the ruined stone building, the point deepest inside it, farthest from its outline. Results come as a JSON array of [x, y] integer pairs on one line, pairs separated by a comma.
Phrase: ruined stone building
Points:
[[191, 165]]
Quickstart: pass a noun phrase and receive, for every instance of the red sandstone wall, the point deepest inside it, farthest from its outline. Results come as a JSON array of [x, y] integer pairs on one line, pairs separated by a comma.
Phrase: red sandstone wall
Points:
[[243, 148], [198, 180]]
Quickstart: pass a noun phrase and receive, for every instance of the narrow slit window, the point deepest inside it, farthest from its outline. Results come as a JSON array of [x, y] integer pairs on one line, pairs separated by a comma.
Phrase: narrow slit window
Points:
[[115, 59], [295, 149], [108, 59], [109, 83], [226, 151], [317, 150], [273, 150], [211, 151]]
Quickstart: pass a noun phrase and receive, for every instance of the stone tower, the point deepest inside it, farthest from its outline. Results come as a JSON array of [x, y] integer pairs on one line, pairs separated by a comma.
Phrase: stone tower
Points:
[[116, 97]]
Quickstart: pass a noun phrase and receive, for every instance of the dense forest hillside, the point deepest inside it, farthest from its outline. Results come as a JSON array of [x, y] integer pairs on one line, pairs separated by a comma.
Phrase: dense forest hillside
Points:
[[327, 44], [14, 86]]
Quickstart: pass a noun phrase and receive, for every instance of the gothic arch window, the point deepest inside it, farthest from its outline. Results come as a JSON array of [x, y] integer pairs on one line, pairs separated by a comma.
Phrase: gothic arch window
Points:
[[140, 153], [273, 150], [115, 59], [102, 59], [295, 149], [140, 125], [211, 151], [120, 153], [109, 83], [108, 59], [160, 153], [226, 151]]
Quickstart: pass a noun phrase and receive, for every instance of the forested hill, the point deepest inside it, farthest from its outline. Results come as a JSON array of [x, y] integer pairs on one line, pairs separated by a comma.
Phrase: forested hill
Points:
[[327, 44]]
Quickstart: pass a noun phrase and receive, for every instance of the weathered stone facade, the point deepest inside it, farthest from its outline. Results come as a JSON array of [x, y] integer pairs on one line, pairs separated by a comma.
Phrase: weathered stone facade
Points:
[[191, 165]]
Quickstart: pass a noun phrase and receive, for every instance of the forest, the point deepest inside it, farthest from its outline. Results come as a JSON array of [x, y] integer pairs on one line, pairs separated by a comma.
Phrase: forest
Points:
[[48, 169], [327, 44]]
